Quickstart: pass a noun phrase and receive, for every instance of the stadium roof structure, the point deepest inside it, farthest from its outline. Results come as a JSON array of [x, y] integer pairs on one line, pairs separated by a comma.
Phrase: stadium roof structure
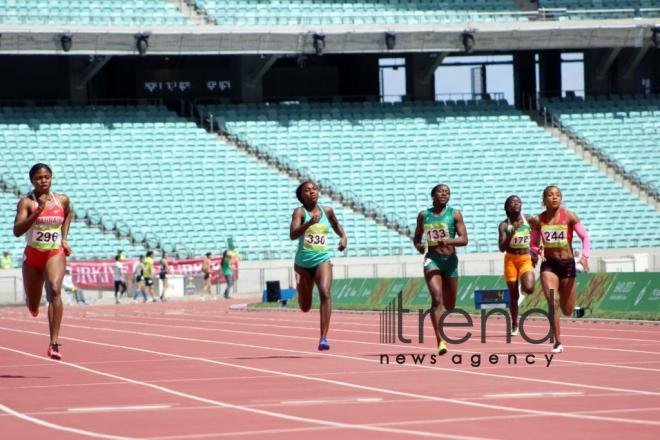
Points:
[[339, 39]]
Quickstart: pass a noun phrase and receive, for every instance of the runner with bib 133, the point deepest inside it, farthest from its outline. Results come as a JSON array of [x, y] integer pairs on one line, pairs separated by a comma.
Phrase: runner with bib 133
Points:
[[444, 229]]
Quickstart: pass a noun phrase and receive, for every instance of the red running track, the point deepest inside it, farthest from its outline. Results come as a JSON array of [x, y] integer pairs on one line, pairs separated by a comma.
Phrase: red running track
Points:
[[198, 370]]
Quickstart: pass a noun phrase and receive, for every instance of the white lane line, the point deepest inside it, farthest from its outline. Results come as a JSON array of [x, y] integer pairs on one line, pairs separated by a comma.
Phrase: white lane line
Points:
[[527, 395], [58, 427], [335, 382], [342, 317], [409, 422], [331, 401], [460, 371], [225, 404], [366, 332], [91, 409], [344, 330], [407, 347]]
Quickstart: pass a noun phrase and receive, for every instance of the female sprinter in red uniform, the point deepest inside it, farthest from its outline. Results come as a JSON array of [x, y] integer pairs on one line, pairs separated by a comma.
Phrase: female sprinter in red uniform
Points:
[[555, 229], [45, 217]]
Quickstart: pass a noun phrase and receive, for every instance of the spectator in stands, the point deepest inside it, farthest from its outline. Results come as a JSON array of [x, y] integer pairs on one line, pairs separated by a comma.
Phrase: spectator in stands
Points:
[[206, 270], [118, 276], [148, 271], [555, 231], [234, 259], [69, 287], [45, 217], [227, 272], [310, 224], [444, 229], [138, 279], [5, 261], [164, 270], [514, 239]]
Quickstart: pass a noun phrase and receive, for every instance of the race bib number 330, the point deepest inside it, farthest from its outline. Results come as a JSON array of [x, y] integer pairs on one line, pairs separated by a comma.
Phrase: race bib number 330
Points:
[[316, 238]]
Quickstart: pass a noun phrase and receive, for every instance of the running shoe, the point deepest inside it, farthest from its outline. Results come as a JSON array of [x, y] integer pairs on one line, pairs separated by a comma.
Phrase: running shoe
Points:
[[324, 344], [442, 348], [558, 348], [54, 351], [514, 330]]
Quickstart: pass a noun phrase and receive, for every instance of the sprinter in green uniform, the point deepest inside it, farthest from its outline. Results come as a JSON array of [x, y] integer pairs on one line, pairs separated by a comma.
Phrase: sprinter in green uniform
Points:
[[310, 224], [444, 229]]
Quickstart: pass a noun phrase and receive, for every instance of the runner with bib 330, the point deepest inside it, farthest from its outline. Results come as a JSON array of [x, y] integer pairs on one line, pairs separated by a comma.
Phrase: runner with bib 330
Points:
[[555, 229], [310, 225], [444, 229]]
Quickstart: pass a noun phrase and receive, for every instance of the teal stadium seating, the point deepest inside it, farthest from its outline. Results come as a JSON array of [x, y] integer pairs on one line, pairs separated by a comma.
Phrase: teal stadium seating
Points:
[[625, 128], [391, 155], [351, 12], [602, 9], [147, 171], [90, 12]]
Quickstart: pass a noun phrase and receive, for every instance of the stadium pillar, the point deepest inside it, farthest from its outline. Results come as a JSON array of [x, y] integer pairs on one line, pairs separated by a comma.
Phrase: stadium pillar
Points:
[[655, 61], [524, 80], [77, 94], [249, 66], [629, 70], [550, 73], [420, 78], [599, 69]]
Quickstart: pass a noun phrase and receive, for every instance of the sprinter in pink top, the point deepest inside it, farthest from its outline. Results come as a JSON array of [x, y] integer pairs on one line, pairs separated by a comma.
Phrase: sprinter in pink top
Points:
[[554, 229]]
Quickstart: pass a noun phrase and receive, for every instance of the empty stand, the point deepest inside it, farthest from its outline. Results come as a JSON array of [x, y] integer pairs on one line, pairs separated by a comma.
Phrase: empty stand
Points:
[[625, 128], [316, 12], [164, 180], [391, 156], [90, 12]]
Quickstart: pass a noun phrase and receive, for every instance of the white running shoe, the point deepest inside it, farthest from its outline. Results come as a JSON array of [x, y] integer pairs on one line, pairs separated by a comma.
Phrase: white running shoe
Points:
[[558, 348]]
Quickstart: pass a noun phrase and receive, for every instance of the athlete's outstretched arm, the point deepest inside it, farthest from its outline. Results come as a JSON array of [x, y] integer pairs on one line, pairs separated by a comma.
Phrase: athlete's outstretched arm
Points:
[[24, 220], [419, 232], [332, 218], [68, 216]]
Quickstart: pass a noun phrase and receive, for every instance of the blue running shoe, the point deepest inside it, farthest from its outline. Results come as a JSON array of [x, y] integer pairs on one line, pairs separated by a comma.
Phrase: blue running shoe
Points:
[[323, 344]]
